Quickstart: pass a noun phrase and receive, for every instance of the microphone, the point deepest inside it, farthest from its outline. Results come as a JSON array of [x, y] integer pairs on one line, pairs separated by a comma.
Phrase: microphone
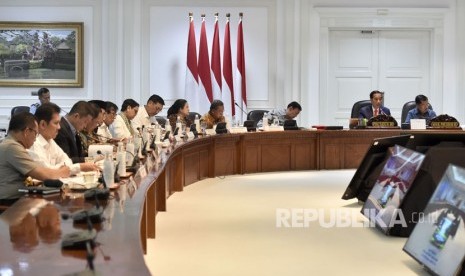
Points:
[[133, 167], [90, 255], [80, 239], [240, 108], [94, 214]]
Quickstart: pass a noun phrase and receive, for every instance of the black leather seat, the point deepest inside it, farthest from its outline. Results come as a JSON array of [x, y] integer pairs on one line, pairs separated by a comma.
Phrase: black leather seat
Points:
[[357, 106], [161, 120], [192, 116], [407, 107], [256, 115], [19, 109]]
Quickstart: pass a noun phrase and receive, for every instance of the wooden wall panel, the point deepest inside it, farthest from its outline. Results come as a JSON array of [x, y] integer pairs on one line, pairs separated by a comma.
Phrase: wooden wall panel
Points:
[[275, 158]]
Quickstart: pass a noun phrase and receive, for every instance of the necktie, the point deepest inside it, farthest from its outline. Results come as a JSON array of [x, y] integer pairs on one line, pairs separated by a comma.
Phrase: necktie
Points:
[[376, 112]]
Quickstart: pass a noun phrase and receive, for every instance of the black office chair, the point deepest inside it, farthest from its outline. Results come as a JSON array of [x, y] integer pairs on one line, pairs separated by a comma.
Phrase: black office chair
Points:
[[256, 115], [407, 107], [19, 109], [161, 120], [357, 106], [192, 116]]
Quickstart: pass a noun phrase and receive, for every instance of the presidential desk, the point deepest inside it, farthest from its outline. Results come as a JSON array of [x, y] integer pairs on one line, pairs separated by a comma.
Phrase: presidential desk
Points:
[[129, 216]]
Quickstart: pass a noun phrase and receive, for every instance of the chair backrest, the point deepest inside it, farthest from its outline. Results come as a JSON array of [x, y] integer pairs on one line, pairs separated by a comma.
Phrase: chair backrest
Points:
[[161, 120], [407, 107], [256, 115], [357, 106], [192, 116], [19, 109]]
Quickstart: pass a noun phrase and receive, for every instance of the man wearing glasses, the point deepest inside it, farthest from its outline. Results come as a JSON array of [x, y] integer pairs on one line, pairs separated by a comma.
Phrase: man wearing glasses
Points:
[[145, 114], [15, 162], [103, 130]]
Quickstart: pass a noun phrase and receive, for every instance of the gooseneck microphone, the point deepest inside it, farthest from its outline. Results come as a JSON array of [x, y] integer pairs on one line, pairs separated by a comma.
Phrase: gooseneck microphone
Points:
[[240, 108], [134, 166]]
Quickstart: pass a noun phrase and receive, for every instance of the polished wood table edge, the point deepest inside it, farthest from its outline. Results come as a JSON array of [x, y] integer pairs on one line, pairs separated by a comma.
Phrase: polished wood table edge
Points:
[[137, 219]]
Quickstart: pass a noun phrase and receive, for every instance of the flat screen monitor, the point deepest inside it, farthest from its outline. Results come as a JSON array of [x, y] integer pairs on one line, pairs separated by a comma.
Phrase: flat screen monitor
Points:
[[421, 142], [395, 180], [290, 125], [438, 239], [374, 157], [251, 125]]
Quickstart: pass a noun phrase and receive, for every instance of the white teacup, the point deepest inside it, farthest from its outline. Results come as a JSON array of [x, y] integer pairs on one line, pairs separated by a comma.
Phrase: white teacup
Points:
[[88, 177]]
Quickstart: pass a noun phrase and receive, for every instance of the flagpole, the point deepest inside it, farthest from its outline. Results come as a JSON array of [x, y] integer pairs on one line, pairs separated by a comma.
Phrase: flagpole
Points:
[[206, 93], [192, 75], [216, 62], [228, 87], [240, 91]]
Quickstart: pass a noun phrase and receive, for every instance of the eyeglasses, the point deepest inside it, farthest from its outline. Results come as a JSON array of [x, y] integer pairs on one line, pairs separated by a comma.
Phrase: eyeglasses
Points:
[[35, 131]]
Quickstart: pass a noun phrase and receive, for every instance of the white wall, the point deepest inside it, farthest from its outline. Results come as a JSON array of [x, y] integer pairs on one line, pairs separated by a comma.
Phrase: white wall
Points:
[[136, 48]]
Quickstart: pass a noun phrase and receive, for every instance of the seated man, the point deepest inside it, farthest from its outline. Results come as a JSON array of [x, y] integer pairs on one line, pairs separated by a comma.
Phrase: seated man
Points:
[[45, 151], [68, 138], [422, 111], [146, 114], [293, 110], [122, 128], [376, 108], [103, 130], [16, 164], [44, 97], [215, 115]]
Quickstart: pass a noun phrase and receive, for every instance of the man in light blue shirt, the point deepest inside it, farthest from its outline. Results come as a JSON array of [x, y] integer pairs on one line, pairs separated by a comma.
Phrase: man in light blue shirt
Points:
[[421, 111], [44, 97]]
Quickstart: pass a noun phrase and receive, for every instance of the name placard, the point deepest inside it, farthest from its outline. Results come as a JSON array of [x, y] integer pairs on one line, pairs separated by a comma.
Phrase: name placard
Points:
[[383, 124], [275, 128], [190, 135], [445, 124], [238, 130], [210, 131]]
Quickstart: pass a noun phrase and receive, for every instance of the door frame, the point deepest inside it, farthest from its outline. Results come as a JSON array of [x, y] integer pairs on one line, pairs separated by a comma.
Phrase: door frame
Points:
[[431, 19]]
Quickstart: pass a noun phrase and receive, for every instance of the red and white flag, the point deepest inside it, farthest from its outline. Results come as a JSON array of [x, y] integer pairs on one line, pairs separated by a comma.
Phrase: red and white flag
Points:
[[192, 75], [205, 85], [240, 92], [228, 88], [216, 62]]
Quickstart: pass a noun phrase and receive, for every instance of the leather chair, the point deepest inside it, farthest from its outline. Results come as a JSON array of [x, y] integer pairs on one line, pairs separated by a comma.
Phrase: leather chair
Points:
[[19, 109], [407, 107], [256, 115], [161, 120], [357, 106], [192, 116]]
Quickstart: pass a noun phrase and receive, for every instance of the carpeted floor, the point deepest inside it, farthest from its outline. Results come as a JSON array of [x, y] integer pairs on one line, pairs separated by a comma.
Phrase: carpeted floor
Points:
[[230, 227]]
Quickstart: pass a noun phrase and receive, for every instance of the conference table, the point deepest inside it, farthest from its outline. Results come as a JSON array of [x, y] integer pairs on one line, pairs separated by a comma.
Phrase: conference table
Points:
[[32, 229]]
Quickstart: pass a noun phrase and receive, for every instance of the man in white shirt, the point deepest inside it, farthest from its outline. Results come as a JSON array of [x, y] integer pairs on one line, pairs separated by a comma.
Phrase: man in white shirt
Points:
[[110, 115], [146, 113], [122, 127], [45, 150]]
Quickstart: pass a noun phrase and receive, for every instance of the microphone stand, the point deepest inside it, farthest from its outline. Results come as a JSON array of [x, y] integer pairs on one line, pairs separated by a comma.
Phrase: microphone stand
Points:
[[240, 108]]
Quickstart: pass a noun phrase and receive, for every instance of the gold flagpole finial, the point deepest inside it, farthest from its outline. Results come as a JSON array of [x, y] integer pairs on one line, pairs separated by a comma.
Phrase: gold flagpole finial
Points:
[[216, 14], [202, 15], [228, 15], [241, 14], [191, 14]]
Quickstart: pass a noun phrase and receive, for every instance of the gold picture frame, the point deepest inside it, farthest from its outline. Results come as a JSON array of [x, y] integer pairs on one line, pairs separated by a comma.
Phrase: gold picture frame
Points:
[[35, 54]]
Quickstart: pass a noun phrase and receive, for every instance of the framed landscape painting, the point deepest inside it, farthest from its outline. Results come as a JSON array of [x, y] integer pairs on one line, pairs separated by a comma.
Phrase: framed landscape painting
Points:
[[41, 54]]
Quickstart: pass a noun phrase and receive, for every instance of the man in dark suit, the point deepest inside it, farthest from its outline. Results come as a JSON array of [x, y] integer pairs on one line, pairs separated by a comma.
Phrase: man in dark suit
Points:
[[71, 124], [376, 108]]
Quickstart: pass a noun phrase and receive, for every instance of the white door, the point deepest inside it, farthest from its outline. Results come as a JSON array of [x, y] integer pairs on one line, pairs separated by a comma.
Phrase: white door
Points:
[[396, 62]]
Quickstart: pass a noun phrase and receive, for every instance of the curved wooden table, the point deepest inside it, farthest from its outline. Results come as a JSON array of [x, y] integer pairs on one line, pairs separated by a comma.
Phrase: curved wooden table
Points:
[[31, 243]]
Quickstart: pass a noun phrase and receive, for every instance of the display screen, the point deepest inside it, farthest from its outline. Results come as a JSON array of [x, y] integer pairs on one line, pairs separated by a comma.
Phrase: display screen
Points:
[[438, 240], [382, 204]]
